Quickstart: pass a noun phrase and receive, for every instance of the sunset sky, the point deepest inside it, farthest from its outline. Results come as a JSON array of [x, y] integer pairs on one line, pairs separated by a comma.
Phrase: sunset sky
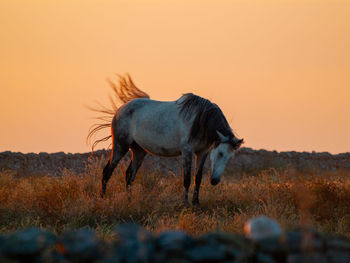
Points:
[[279, 70]]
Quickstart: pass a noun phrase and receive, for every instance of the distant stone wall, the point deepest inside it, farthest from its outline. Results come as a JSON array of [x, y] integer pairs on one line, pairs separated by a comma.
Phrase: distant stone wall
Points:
[[134, 244], [246, 160], [254, 160], [43, 163]]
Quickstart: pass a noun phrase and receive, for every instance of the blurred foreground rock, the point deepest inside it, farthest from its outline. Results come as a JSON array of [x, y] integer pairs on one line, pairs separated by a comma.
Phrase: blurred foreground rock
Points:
[[133, 244], [262, 227], [246, 161]]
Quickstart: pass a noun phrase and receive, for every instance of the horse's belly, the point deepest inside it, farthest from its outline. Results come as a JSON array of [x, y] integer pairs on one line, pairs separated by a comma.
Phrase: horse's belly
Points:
[[159, 148], [162, 151], [158, 144]]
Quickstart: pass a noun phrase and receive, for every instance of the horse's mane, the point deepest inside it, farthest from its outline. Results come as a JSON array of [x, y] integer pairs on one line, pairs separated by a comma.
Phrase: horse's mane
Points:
[[124, 91], [208, 118]]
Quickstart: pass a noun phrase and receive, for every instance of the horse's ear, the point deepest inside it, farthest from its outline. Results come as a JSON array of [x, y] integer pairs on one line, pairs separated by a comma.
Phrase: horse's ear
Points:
[[238, 143], [222, 137]]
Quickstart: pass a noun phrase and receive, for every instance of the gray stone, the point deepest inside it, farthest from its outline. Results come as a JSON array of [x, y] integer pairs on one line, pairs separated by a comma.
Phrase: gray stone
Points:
[[229, 240], [307, 258], [272, 245], [135, 243], [262, 227], [209, 253], [304, 240], [173, 241], [265, 258], [27, 243], [170, 246], [336, 256], [80, 246], [339, 243], [3, 243], [293, 241], [234, 246]]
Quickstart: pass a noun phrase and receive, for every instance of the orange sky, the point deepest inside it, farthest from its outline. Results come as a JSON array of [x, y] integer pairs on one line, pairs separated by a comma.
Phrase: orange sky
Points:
[[280, 70]]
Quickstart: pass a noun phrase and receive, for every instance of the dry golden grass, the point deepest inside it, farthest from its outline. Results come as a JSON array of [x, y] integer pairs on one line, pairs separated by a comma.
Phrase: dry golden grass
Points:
[[72, 201]]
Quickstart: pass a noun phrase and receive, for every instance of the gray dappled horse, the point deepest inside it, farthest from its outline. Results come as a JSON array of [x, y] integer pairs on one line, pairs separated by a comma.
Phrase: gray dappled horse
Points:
[[188, 126]]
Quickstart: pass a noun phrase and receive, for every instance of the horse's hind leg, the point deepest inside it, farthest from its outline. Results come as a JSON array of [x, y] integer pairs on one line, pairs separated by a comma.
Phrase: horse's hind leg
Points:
[[138, 154], [117, 154]]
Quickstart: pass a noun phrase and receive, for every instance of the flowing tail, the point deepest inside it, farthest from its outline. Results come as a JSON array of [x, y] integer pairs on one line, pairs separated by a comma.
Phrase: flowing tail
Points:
[[124, 91]]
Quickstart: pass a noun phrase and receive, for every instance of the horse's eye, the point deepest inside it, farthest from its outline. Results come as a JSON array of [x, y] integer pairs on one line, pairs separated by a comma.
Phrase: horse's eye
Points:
[[221, 154]]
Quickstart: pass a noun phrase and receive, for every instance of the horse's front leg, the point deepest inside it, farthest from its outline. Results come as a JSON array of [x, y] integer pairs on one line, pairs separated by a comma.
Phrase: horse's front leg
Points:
[[200, 160], [186, 171]]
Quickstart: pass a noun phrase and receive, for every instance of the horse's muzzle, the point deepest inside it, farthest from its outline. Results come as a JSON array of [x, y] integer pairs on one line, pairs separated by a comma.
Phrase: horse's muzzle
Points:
[[214, 181]]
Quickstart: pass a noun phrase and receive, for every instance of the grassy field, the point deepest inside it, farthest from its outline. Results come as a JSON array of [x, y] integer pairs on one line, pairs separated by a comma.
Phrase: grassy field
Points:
[[72, 201]]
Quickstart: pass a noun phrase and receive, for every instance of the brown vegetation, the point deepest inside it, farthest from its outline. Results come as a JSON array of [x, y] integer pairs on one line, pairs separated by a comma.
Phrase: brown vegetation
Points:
[[72, 201]]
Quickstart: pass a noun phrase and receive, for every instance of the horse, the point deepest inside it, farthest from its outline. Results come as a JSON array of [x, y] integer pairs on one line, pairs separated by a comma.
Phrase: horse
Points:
[[189, 126]]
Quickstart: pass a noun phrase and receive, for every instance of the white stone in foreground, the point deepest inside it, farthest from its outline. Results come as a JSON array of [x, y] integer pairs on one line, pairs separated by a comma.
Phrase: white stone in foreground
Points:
[[262, 227]]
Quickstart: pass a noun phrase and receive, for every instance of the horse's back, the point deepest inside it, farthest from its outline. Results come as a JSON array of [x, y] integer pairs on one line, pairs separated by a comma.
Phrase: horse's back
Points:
[[154, 125]]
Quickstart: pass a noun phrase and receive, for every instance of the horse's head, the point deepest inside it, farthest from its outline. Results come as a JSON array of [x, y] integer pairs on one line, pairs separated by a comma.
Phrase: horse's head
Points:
[[220, 154]]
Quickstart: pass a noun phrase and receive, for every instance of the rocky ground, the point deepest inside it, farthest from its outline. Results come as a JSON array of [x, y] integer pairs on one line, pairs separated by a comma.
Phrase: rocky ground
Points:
[[133, 244], [246, 161]]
